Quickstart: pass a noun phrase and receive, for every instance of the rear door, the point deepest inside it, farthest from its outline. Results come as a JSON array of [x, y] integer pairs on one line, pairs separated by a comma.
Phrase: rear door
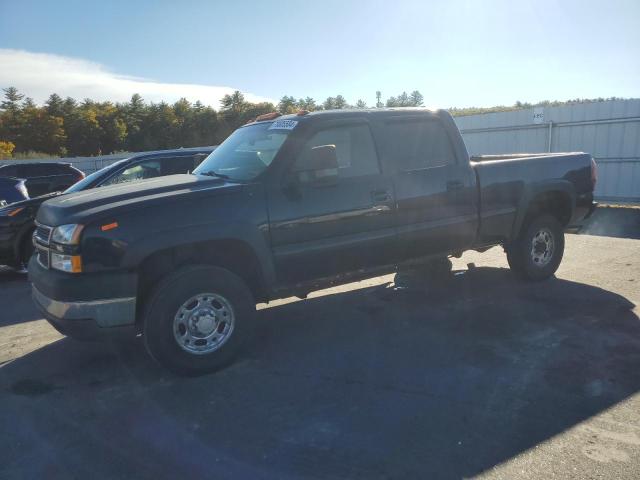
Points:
[[435, 191], [321, 231]]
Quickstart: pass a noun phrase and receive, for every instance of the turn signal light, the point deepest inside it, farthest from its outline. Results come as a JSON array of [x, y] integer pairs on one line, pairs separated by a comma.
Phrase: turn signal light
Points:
[[109, 226], [16, 211]]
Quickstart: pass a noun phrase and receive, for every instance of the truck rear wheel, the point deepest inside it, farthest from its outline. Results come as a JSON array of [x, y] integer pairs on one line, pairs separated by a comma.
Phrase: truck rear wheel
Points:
[[537, 253], [197, 319]]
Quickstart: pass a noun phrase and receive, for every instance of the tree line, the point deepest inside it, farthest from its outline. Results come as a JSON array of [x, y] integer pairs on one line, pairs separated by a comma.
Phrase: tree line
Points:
[[66, 127]]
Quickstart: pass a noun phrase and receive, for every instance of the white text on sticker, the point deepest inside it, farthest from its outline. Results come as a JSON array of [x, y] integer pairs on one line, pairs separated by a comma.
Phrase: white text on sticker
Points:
[[283, 124]]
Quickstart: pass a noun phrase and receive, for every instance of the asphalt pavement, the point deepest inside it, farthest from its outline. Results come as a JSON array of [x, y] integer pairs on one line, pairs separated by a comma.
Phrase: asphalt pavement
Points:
[[482, 376]]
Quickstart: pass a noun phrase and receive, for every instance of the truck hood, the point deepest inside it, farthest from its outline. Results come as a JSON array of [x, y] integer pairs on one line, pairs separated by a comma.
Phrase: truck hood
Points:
[[83, 206]]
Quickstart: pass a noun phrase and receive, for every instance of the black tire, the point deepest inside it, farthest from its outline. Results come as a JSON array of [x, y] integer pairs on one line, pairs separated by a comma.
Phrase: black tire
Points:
[[169, 296], [524, 258]]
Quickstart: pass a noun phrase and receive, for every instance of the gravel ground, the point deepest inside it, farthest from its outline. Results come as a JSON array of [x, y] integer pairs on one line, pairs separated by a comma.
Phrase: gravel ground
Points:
[[482, 376]]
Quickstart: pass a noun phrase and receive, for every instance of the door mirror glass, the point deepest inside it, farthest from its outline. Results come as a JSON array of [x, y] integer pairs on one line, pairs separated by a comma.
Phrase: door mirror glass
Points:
[[319, 166]]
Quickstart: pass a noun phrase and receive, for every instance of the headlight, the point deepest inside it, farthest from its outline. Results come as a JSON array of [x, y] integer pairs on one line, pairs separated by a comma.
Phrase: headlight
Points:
[[66, 263], [67, 234]]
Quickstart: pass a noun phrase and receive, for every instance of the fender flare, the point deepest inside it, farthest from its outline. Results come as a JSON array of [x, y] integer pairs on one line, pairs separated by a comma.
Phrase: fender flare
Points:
[[534, 190], [247, 234]]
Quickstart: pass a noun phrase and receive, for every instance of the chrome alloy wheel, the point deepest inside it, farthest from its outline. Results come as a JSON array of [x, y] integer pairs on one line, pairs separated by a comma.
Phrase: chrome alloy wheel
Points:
[[542, 246], [203, 323]]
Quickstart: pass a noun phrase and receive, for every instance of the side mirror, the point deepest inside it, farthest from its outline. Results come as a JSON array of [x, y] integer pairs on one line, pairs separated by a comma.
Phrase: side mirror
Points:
[[320, 167]]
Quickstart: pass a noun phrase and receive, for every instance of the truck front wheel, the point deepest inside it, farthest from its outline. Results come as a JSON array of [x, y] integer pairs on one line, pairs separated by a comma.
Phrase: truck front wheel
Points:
[[537, 253], [197, 319]]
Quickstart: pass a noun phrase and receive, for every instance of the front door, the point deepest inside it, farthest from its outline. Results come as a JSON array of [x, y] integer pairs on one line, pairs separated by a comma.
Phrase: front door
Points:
[[320, 230]]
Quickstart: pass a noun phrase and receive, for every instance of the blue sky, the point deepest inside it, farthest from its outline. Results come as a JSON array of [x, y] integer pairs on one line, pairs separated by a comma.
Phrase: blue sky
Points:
[[457, 53]]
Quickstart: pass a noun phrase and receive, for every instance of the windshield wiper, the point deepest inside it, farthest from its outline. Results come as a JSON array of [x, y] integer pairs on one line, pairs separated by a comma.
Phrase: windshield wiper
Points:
[[211, 173]]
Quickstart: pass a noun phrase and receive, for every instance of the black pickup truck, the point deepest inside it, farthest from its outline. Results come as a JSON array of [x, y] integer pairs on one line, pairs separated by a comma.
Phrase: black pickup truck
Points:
[[284, 206]]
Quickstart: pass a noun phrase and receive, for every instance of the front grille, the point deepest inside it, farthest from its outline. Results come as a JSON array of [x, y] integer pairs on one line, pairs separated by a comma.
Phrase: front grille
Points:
[[43, 257], [43, 233], [42, 238]]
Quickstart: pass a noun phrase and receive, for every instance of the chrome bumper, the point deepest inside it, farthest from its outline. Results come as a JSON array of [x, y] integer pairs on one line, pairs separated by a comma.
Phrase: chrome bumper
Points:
[[113, 312]]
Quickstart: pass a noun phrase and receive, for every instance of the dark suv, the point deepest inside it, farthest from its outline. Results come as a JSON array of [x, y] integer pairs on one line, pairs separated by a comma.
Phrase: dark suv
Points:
[[43, 177]]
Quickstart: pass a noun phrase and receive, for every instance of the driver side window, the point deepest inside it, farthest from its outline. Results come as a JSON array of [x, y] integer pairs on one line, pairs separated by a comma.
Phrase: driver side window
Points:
[[354, 148]]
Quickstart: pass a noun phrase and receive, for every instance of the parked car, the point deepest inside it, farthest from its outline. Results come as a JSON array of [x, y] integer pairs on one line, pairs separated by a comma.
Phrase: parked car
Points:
[[43, 177], [12, 190], [285, 206], [17, 220]]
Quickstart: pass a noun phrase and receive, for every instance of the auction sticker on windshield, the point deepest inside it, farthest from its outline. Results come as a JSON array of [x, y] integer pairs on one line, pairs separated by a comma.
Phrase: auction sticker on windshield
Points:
[[283, 125]]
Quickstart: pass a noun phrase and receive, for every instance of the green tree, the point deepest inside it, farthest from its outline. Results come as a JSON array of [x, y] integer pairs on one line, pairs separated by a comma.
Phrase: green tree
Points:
[[308, 104], [416, 99], [233, 103], [10, 127], [287, 104], [12, 99], [340, 102], [329, 103], [54, 105], [113, 128], [41, 132], [134, 115], [361, 104]]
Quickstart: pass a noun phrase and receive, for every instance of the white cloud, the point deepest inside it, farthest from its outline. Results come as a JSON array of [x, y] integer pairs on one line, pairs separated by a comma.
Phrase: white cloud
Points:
[[38, 75]]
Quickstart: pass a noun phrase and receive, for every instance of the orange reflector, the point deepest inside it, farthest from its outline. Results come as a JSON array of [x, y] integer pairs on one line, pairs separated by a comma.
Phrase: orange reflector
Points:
[[76, 263], [16, 211], [109, 226], [268, 116]]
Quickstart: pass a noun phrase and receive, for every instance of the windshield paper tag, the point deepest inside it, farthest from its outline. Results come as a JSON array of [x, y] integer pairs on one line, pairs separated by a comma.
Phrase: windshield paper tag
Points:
[[283, 124]]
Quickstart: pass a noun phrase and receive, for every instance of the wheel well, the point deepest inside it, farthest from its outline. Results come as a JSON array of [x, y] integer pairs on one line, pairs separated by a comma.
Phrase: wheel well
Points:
[[234, 255], [554, 203]]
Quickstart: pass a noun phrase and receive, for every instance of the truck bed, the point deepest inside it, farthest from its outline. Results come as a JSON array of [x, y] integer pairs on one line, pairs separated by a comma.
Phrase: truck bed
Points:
[[503, 192]]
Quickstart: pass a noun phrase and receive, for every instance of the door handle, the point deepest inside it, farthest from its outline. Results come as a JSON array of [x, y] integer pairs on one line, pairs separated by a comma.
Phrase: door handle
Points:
[[381, 195], [454, 185]]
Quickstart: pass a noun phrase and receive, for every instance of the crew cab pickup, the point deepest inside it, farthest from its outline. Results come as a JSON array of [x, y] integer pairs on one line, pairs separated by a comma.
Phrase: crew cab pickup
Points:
[[284, 206]]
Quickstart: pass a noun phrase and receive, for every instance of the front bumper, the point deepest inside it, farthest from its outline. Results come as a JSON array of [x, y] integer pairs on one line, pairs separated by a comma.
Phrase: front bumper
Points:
[[88, 319], [84, 306]]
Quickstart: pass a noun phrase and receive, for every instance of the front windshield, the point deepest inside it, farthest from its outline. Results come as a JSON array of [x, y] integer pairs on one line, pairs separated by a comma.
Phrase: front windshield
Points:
[[246, 153]]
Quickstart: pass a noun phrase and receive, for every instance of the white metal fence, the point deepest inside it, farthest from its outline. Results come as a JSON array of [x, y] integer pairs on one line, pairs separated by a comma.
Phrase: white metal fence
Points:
[[610, 131]]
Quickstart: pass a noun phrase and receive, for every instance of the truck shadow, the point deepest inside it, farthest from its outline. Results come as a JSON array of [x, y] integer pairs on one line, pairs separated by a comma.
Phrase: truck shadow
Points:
[[621, 222], [368, 383]]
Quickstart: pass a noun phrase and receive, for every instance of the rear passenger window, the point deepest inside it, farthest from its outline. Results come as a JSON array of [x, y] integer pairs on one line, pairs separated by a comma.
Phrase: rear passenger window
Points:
[[354, 149], [414, 145]]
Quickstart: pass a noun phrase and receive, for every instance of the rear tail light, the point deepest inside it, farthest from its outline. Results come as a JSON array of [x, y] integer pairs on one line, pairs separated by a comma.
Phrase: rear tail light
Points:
[[594, 173]]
